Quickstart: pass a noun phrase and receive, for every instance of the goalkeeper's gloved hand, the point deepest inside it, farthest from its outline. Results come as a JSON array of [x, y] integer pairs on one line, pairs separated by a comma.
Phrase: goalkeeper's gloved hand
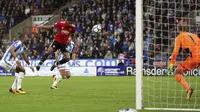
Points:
[[170, 69]]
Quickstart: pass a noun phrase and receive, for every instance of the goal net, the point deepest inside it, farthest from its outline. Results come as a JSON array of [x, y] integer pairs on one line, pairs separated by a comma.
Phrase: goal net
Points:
[[161, 91]]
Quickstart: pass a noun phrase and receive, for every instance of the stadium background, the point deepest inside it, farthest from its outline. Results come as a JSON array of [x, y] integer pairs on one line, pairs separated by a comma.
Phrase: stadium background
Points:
[[118, 36], [116, 17], [91, 94]]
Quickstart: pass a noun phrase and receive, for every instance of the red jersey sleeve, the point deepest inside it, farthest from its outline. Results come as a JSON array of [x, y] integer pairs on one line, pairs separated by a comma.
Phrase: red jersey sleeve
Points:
[[57, 24], [73, 28], [177, 47]]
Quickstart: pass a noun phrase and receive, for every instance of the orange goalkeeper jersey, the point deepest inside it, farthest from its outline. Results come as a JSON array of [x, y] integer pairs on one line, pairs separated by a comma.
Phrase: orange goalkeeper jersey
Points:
[[189, 43]]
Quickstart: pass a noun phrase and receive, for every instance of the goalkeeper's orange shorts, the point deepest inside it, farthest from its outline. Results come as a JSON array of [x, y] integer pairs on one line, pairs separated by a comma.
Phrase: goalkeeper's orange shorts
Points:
[[190, 63]]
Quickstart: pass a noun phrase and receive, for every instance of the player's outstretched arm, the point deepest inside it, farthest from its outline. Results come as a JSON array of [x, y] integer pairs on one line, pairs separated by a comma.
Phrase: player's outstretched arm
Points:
[[46, 27], [56, 55], [25, 58], [174, 55], [177, 46], [74, 58], [73, 36], [27, 61], [75, 39]]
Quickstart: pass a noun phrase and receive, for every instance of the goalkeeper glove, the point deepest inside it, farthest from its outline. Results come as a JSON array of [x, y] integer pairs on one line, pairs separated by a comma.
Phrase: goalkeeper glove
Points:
[[170, 69]]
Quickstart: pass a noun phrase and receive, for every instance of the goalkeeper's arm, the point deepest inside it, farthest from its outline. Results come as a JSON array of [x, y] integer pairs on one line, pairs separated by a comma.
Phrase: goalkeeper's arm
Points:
[[174, 55], [176, 50]]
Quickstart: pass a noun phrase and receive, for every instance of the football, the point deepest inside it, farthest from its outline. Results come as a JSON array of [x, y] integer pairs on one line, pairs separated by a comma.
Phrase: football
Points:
[[96, 28]]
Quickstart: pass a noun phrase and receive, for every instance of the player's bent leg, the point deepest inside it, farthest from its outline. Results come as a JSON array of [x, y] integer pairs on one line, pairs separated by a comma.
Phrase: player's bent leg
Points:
[[65, 59], [21, 72], [54, 78], [13, 88], [55, 63], [66, 55], [11, 66], [58, 78], [67, 74], [179, 77], [62, 61], [46, 55]]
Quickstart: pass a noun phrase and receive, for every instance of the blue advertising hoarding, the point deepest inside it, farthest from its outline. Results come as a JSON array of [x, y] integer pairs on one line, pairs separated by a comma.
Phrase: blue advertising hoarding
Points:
[[110, 71], [4, 72], [78, 62]]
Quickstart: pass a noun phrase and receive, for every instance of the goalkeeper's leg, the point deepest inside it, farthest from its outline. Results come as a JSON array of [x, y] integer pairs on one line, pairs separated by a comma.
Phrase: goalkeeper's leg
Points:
[[182, 68]]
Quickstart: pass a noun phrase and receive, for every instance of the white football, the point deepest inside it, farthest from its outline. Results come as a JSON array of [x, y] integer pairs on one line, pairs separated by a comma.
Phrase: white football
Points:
[[96, 28]]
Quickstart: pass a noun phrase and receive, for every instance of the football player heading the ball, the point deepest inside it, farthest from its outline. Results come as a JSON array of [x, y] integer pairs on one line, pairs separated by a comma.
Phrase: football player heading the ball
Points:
[[66, 30]]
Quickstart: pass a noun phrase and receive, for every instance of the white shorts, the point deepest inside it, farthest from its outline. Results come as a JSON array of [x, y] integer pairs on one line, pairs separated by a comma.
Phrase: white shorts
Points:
[[8, 65], [63, 67]]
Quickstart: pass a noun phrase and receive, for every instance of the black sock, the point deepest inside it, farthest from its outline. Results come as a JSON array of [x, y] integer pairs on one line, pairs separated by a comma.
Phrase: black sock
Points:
[[43, 58], [62, 61]]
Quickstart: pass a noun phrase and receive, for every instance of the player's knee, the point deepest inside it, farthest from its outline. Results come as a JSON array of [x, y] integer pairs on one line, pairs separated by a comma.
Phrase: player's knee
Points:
[[178, 77], [20, 69], [67, 58], [177, 71], [61, 72], [23, 70], [67, 75]]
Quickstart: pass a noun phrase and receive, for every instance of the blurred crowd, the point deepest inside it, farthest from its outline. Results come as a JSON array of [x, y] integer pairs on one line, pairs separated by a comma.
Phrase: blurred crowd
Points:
[[15, 11], [117, 18], [117, 35], [160, 19]]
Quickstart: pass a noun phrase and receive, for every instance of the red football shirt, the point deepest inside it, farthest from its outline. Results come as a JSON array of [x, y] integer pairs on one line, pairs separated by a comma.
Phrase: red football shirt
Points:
[[63, 31]]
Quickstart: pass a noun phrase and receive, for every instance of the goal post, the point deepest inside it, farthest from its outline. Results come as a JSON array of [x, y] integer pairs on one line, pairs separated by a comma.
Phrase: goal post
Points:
[[139, 53], [156, 30]]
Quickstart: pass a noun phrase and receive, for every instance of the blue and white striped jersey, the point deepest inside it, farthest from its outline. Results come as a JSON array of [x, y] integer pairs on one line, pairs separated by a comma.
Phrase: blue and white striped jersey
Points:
[[70, 49], [19, 50]]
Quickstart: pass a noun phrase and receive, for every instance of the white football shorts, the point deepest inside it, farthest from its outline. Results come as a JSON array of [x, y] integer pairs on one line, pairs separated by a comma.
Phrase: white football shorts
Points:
[[8, 65], [63, 67]]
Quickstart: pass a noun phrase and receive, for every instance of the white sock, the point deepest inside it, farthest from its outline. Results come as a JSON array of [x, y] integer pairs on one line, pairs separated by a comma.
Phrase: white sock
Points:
[[58, 79], [19, 79], [14, 85]]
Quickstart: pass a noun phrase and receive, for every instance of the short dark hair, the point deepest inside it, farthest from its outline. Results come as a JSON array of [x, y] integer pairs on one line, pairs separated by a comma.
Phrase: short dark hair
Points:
[[21, 35]]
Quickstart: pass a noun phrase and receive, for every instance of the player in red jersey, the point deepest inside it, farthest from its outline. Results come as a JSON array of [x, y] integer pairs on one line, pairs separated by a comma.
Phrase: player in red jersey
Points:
[[65, 30]]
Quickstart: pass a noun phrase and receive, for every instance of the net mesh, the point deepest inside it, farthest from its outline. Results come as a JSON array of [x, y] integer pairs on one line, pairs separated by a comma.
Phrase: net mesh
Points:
[[160, 29]]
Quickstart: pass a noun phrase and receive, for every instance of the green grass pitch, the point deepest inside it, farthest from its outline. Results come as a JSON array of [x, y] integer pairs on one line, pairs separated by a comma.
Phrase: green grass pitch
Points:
[[79, 94]]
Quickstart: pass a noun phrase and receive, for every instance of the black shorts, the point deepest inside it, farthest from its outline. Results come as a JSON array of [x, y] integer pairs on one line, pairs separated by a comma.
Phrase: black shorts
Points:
[[57, 45]]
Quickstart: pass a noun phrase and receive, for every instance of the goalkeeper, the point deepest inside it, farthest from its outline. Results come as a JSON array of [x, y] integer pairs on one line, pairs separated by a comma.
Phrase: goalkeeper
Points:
[[190, 44]]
